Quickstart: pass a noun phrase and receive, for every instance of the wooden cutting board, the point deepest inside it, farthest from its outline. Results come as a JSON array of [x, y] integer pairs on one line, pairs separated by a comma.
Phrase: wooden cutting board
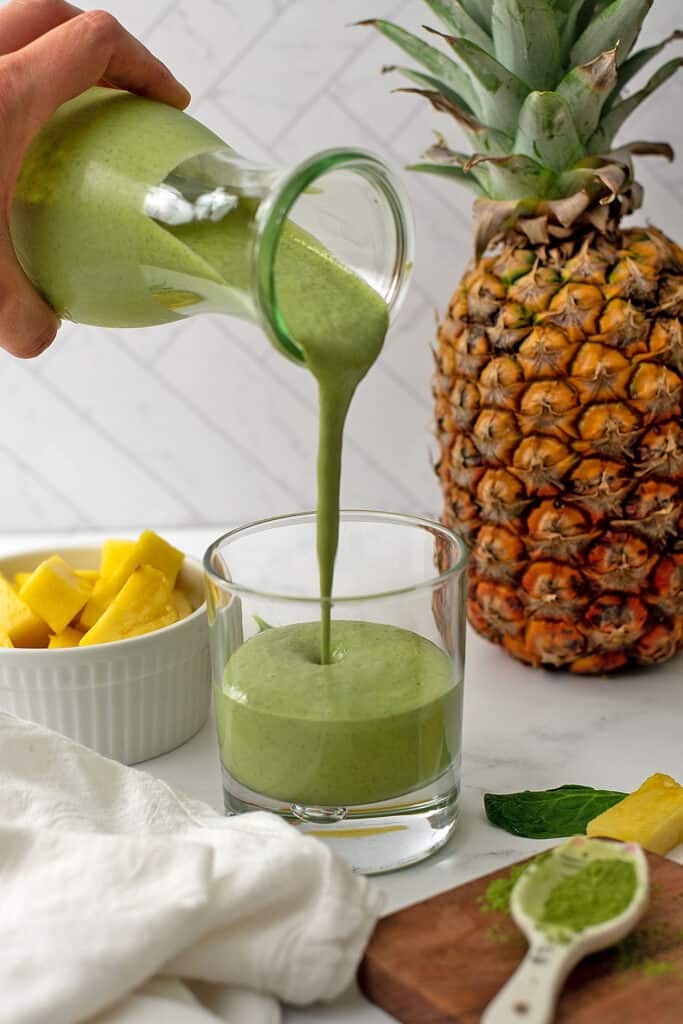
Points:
[[443, 960]]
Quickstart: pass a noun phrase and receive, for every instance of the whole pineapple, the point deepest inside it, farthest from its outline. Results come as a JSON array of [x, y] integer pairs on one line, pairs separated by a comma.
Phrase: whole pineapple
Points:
[[559, 380]]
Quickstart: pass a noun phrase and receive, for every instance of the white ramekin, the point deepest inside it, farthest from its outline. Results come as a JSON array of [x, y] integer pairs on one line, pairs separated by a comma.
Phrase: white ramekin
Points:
[[131, 699]]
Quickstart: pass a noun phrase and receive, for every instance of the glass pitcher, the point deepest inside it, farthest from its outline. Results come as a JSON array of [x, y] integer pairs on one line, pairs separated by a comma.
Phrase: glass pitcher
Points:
[[129, 213]]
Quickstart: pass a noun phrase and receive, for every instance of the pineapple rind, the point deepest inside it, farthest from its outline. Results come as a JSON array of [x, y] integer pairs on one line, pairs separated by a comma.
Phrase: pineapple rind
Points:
[[559, 394]]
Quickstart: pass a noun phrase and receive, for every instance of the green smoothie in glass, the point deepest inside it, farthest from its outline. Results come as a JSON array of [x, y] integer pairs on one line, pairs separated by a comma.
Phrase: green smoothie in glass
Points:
[[368, 704]]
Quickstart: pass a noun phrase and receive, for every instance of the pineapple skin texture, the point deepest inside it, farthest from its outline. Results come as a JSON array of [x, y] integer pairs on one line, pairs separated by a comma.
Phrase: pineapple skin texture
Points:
[[652, 816], [559, 388]]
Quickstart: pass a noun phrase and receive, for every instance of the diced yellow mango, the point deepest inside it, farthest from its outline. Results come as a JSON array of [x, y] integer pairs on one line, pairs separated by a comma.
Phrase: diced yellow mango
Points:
[[181, 602], [114, 552], [20, 578], [5, 640], [55, 593], [69, 638], [149, 549], [142, 605], [22, 626], [89, 575], [652, 816]]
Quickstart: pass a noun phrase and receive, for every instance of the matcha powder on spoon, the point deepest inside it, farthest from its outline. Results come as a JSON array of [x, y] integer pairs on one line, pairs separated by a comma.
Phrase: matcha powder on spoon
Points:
[[595, 894]]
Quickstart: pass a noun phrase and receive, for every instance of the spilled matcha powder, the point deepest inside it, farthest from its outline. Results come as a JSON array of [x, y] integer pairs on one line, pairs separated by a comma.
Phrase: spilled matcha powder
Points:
[[595, 894], [648, 951], [499, 891], [496, 898]]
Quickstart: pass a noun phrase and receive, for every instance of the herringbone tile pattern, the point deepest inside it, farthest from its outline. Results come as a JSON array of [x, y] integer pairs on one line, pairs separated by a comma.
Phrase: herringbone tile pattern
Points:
[[202, 422]]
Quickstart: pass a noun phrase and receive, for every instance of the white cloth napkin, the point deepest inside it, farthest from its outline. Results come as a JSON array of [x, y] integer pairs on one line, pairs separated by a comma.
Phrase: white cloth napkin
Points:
[[122, 902]]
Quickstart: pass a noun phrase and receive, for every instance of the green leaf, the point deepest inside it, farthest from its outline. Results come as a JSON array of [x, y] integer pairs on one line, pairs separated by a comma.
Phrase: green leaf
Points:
[[637, 62], [551, 813], [499, 93], [612, 122], [586, 89], [453, 15], [527, 41], [481, 136], [547, 132], [448, 171], [430, 83], [480, 11], [618, 25], [512, 177], [261, 623], [572, 16], [436, 62]]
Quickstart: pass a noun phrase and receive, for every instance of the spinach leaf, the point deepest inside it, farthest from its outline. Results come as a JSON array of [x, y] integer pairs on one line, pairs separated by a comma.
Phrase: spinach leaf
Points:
[[550, 813]]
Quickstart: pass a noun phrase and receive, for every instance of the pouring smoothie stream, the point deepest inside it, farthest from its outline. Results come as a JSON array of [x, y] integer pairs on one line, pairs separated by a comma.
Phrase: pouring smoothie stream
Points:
[[121, 218]]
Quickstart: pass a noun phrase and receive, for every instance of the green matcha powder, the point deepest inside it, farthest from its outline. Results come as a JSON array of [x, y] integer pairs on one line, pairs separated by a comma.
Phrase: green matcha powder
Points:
[[595, 894]]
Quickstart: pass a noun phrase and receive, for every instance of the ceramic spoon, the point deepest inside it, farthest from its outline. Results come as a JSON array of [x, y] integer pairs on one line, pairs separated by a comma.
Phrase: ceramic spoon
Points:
[[531, 993]]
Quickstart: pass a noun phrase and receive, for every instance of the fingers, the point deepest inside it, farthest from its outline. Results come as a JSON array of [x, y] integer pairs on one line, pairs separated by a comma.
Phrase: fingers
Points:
[[22, 21], [50, 52], [79, 53], [27, 324]]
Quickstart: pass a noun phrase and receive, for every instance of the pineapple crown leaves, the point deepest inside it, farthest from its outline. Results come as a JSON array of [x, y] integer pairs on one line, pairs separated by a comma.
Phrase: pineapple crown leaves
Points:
[[538, 86]]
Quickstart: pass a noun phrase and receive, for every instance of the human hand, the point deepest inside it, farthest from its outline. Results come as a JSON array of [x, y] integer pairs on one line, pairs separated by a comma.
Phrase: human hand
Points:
[[50, 52]]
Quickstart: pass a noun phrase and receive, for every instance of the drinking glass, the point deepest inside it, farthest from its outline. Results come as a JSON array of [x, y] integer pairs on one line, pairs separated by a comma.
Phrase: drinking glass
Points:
[[365, 752]]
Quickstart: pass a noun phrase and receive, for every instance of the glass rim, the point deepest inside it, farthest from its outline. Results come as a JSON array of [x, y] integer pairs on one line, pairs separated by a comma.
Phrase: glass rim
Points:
[[276, 207], [402, 518]]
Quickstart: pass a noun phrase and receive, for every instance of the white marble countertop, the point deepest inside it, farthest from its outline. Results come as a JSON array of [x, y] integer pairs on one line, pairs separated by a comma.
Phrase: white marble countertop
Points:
[[523, 729]]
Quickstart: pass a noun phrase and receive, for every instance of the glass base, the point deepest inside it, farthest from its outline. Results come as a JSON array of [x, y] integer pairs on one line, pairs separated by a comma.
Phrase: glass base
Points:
[[372, 838]]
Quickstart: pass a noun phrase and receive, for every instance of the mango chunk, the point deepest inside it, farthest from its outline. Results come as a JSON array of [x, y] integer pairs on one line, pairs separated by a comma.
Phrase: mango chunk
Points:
[[69, 638], [114, 552], [5, 640], [149, 550], [55, 593], [181, 603], [652, 816], [142, 605], [22, 626]]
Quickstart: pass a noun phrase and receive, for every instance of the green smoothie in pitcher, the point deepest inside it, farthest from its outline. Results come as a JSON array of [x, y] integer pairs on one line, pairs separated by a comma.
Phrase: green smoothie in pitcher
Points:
[[101, 228]]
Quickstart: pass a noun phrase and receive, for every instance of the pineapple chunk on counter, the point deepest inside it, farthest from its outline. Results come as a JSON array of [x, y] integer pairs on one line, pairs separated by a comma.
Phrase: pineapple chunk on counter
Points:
[[148, 550], [652, 816], [22, 626], [142, 605], [55, 593], [5, 640], [69, 638]]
